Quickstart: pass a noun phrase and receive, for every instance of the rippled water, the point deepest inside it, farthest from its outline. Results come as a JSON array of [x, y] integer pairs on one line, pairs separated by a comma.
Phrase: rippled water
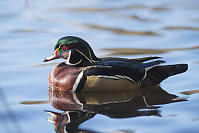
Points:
[[121, 28]]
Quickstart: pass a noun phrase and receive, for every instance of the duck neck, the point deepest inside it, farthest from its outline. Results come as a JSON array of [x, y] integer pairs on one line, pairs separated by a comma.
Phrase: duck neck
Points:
[[75, 58], [93, 56]]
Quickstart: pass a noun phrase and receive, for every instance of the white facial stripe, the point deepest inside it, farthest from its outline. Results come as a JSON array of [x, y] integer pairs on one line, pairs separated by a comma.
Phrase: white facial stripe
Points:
[[91, 60], [84, 56], [68, 63], [77, 81], [68, 60], [91, 56]]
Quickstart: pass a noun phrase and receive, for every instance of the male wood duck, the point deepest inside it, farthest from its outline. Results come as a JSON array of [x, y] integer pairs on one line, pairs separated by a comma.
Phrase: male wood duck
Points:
[[82, 70]]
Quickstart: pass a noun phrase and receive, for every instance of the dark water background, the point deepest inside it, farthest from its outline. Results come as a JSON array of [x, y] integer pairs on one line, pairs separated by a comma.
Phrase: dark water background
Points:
[[122, 28]]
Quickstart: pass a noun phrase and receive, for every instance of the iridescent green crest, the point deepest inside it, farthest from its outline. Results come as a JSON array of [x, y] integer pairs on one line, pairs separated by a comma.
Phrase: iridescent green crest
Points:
[[67, 40]]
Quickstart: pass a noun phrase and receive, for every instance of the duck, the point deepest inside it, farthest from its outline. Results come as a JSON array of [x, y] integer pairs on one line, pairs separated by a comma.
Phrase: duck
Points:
[[83, 71]]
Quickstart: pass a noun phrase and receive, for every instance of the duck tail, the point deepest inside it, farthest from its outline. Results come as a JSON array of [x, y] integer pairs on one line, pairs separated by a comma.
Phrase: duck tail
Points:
[[157, 74]]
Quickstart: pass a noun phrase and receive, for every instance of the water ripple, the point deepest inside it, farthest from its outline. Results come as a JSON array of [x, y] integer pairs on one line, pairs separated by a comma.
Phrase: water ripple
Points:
[[121, 31], [181, 28], [30, 31], [109, 9], [190, 92], [125, 51]]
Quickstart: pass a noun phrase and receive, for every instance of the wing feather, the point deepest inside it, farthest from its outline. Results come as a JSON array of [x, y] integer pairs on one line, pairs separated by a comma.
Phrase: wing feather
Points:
[[146, 58]]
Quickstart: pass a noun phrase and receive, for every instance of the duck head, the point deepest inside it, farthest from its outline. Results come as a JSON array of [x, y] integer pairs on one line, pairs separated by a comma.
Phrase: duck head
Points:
[[74, 50]]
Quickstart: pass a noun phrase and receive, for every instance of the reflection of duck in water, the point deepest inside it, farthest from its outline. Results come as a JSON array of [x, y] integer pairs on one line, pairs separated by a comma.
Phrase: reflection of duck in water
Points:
[[79, 107], [69, 121], [83, 71]]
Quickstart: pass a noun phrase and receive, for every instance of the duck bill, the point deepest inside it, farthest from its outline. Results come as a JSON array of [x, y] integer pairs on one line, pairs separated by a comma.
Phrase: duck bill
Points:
[[53, 57]]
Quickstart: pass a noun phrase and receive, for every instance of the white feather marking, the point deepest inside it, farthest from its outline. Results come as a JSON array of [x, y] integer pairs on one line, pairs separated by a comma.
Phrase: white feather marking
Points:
[[91, 56], [148, 68], [116, 77], [77, 100], [108, 77], [129, 78], [145, 73], [84, 56], [91, 60], [68, 60], [67, 113], [120, 76], [78, 79], [125, 77]]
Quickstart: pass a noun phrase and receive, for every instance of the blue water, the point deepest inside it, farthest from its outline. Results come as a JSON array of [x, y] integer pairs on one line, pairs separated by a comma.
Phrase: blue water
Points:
[[28, 35]]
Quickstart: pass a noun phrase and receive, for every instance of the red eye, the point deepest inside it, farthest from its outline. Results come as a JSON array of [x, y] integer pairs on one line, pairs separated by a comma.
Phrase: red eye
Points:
[[65, 47]]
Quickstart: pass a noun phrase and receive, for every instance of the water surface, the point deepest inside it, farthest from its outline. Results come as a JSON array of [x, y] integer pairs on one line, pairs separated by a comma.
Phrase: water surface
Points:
[[167, 28]]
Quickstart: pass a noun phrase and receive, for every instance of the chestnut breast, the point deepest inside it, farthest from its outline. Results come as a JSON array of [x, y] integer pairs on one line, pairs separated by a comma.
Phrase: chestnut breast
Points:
[[63, 77]]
